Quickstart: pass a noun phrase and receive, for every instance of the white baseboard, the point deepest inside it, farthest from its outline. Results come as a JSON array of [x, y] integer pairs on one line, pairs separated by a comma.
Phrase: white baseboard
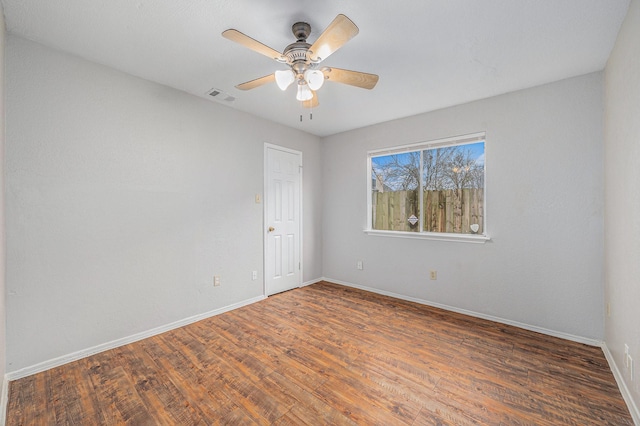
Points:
[[306, 283], [56, 362], [624, 390], [579, 339], [4, 400]]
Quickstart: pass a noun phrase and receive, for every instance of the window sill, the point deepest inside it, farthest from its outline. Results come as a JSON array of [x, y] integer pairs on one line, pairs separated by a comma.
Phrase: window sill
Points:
[[458, 238]]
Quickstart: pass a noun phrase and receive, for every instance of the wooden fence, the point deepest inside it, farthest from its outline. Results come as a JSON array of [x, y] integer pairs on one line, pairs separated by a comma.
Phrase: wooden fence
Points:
[[448, 210]]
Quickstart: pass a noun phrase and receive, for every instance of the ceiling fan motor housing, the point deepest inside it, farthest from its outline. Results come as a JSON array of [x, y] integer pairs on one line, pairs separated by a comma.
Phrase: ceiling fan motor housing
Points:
[[297, 57], [301, 30], [297, 54]]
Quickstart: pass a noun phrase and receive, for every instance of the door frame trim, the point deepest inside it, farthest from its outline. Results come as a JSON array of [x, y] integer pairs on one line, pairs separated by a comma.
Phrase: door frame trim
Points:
[[265, 181]]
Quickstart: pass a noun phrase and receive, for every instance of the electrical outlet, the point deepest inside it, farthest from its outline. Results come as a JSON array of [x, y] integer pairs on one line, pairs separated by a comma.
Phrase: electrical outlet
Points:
[[630, 366], [608, 309], [359, 265], [254, 275], [433, 275], [216, 280], [258, 199]]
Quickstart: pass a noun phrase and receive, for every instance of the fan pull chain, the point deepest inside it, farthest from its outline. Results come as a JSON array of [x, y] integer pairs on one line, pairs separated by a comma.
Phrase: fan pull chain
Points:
[[310, 111]]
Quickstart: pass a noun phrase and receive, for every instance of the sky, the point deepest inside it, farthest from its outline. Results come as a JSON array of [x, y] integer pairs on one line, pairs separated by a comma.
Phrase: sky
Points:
[[477, 152], [396, 181]]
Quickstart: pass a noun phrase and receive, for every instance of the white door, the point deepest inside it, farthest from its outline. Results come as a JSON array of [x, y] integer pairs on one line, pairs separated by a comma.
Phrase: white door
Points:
[[283, 176]]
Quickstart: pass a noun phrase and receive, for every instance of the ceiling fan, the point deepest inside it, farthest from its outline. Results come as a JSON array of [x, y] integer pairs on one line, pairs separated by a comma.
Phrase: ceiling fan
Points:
[[303, 60]]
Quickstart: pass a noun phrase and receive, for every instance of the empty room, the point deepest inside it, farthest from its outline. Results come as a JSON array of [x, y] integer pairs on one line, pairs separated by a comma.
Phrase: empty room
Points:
[[297, 212]]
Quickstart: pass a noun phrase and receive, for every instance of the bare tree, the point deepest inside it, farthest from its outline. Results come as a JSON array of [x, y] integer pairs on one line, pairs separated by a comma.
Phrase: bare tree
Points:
[[451, 167], [435, 164], [399, 172], [463, 171]]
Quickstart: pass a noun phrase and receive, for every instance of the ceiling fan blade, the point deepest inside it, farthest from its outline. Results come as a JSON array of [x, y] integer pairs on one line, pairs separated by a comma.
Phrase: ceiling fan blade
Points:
[[352, 78], [255, 45], [339, 31], [311, 103], [257, 82]]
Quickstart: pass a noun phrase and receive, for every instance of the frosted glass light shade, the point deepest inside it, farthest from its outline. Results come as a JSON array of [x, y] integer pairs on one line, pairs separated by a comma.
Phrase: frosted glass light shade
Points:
[[284, 79], [314, 79], [304, 93]]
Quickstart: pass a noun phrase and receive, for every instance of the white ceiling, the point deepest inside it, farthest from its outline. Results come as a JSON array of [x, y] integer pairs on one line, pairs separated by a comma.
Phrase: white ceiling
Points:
[[429, 54]]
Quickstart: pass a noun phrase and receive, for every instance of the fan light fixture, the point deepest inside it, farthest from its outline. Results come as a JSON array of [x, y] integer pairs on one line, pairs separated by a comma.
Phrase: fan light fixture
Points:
[[304, 92], [284, 79], [314, 79]]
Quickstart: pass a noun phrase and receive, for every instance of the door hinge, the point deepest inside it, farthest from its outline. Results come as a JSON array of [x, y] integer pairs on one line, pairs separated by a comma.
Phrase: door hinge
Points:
[[299, 267]]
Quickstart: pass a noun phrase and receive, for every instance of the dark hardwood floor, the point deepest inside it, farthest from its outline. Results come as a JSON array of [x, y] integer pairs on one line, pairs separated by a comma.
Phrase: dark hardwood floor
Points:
[[327, 354]]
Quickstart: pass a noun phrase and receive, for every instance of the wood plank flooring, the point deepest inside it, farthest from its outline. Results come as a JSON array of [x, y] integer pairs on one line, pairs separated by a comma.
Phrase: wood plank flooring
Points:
[[327, 354]]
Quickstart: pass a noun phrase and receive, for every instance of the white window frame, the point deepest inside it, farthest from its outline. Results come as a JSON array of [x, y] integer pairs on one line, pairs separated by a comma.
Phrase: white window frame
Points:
[[421, 146]]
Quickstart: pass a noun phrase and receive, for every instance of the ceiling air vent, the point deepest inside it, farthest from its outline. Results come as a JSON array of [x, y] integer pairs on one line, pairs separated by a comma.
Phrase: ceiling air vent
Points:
[[219, 95]]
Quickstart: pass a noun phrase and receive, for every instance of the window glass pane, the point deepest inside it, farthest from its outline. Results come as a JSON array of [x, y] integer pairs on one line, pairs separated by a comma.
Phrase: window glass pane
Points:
[[395, 200], [453, 185], [433, 187]]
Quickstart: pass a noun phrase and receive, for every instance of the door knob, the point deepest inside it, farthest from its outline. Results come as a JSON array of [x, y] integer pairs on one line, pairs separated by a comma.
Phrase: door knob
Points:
[[271, 229]]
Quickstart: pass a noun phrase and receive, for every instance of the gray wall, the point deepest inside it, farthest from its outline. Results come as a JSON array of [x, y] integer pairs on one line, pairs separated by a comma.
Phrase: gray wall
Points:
[[544, 193], [622, 199], [3, 350], [124, 198]]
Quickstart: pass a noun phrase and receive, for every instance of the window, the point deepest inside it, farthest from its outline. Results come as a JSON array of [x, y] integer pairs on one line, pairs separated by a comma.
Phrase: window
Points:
[[432, 189]]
